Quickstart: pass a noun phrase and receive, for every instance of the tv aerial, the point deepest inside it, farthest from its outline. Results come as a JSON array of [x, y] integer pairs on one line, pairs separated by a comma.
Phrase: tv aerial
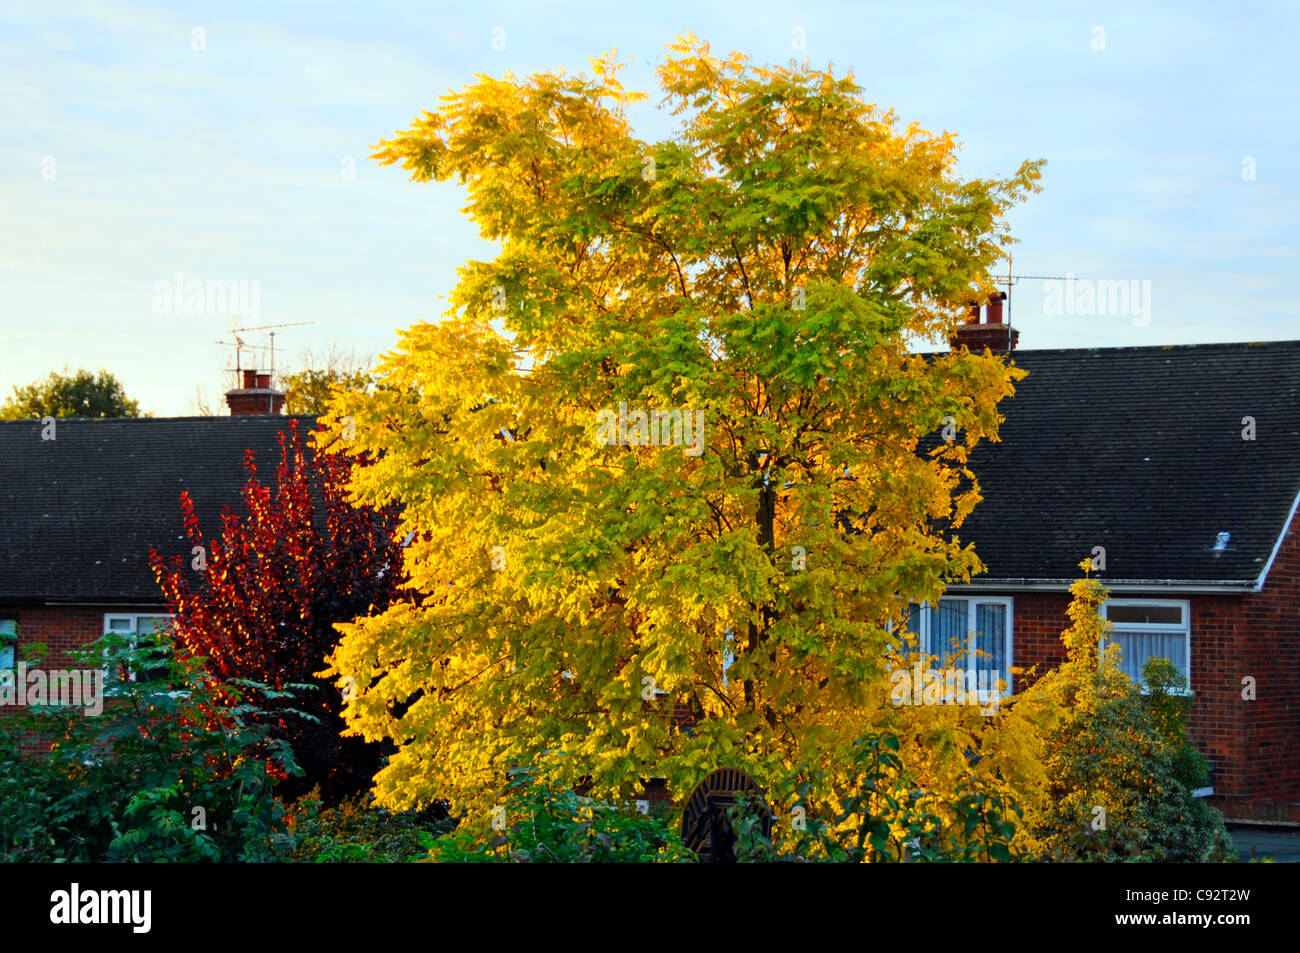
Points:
[[240, 345]]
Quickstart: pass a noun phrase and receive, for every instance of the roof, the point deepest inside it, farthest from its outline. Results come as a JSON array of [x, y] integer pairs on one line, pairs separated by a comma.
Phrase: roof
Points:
[[79, 513], [1140, 450]]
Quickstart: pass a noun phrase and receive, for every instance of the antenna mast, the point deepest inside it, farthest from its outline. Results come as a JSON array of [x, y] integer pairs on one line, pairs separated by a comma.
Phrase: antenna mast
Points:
[[240, 345]]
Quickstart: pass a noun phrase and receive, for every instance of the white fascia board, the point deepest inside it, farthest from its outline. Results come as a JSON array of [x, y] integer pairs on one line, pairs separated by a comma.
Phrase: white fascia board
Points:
[[1277, 547]]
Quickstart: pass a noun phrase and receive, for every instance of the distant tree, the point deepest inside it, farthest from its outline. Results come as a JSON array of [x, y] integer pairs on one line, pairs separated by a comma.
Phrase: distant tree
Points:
[[205, 403], [261, 601], [75, 394], [308, 391]]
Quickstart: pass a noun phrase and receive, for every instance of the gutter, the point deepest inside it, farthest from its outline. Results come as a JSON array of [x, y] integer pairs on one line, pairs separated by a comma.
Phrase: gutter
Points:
[[1118, 585]]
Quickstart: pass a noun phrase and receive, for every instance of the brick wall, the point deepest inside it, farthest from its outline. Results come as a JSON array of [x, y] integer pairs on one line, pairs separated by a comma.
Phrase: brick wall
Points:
[[64, 629]]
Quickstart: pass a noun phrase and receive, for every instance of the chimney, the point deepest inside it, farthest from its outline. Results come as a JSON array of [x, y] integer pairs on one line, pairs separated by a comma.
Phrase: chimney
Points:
[[993, 334], [994, 313], [257, 396]]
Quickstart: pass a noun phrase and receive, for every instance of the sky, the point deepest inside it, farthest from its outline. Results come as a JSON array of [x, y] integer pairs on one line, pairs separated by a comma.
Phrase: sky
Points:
[[230, 142]]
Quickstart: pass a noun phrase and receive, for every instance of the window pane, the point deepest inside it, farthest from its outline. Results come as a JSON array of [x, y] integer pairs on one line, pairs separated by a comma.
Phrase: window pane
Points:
[[1137, 647], [1166, 614], [949, 633], [6, 655], [147, 625], [991, 637], [119, 625], [8, 626]]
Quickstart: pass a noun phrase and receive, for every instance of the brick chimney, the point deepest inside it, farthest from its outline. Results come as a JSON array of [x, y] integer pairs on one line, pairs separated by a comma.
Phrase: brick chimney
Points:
[[993, 333], [257, 396]]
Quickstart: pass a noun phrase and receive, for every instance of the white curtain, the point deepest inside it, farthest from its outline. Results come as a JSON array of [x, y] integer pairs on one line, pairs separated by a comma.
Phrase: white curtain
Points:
[[991, 637], [949, 633], [1137, 647]]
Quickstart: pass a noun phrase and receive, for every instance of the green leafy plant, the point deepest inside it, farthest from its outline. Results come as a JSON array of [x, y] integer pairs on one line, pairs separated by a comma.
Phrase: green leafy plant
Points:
[[889, 817], [173, 769], [537, 825], [359, 831]]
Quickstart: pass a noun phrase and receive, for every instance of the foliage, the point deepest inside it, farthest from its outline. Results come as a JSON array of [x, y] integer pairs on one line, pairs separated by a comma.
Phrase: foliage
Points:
[[172, 770], [273, 584], [357, 831], [70, 394], [310, 389], [1121, 769], [539, 825], [767, 268], [892, 817]]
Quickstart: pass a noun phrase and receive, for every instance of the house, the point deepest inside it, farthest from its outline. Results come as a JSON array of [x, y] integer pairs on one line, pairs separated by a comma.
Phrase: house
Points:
[[83, 501], [1176, 469]]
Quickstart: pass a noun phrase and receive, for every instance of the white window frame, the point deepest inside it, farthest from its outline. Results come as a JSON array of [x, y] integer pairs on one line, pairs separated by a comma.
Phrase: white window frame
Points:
[[1159, 628], [9, 645], [1008, 603], [135, 618]]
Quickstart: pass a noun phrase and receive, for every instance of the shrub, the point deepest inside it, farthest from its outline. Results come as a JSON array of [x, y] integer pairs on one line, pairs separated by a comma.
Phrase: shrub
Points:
[[173, 769], [1121, 769], [538, 825], [887, 816], [359, 831]]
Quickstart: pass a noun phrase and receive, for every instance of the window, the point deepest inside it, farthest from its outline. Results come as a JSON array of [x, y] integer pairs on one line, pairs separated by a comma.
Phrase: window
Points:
[[8, 643], [970, 635], [142, 631], [1145, 629]]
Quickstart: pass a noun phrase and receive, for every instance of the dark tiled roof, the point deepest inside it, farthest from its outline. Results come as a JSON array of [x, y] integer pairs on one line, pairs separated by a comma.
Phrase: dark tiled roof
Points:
[[1140, 450], [78, 514]]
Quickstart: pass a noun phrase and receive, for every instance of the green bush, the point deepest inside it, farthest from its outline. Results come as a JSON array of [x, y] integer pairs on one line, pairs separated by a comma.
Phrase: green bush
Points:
[[538, 825], [358, 831], [171, 770], [888, 818]]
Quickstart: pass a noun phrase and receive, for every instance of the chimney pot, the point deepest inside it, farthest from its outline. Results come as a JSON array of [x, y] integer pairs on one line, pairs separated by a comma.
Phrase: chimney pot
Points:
[[264, 381], [973, 313], [994, 312], [250, 380]]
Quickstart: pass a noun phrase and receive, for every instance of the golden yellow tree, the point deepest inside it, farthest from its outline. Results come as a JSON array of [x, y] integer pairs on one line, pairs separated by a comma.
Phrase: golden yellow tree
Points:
[[666, 441]]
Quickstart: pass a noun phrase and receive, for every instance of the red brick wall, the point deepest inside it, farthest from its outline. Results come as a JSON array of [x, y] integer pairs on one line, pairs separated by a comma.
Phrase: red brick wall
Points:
[[65, 628], [1257, 635]]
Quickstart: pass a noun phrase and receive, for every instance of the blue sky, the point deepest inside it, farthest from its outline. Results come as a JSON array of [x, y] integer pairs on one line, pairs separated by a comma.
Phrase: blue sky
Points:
[[128, 155]]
